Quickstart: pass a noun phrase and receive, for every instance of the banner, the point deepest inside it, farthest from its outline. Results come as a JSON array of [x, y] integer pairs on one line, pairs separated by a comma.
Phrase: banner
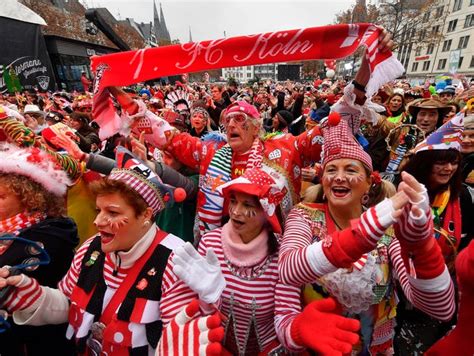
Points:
[[328, 42], [24, 61]]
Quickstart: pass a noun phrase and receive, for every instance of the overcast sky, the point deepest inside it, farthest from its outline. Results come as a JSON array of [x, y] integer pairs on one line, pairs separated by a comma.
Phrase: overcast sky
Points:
[[209, 19]]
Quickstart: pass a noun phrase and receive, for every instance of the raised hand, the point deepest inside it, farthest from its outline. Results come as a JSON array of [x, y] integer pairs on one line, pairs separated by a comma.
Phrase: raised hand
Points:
[[415, 223], [66, 142], [321, 328], [202, 274]]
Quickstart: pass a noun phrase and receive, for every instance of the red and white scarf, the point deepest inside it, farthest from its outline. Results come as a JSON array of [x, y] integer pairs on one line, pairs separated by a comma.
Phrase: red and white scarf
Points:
[[15, 224], [336, 41], [21, 221]]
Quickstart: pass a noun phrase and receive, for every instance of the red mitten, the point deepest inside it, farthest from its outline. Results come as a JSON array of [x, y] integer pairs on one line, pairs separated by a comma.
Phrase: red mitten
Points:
[[320, 328], [191, 333]]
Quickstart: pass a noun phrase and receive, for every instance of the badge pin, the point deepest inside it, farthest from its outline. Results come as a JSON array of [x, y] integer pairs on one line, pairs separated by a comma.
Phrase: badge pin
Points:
[[151, 272], [93, 258], [142, 284]]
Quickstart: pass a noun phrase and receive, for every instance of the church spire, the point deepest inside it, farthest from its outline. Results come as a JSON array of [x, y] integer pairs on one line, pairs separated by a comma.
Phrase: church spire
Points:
[[156, 22], [164, 34], [190, 35]]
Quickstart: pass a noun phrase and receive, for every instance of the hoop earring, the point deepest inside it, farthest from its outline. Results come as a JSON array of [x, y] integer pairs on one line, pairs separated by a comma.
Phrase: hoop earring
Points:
[[365, 199]]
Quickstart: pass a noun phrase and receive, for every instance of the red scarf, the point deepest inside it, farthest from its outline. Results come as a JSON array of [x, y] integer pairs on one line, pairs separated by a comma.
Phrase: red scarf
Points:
[[335, 41]]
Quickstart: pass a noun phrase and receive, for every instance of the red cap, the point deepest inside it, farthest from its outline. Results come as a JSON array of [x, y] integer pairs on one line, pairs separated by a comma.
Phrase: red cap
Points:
[[260, 184], [243, 106]]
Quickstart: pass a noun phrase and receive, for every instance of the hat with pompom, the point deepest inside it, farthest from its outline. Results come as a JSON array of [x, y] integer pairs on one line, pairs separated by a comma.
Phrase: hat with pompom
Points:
[[139, 177], [339, 142]]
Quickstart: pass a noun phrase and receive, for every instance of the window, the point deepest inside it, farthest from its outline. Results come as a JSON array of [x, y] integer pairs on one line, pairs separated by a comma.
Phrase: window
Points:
[[439, 11], [447, 45], [249, 75], [442, 63], [460, 61], [452, 25], [249, 67], [435, 29], [469, 21], [430, 48], [472, 62], [426, 65], [472, 3], [426, 17], [418, 51], [463, 41], [457, 5], [422, 35], [414, 66]]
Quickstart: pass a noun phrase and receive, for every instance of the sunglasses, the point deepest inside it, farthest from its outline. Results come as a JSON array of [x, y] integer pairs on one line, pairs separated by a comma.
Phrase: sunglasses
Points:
[[37, 256], [238, 117]]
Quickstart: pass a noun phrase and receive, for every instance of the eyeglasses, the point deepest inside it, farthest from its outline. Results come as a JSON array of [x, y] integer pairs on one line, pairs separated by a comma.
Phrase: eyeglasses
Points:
[[37, 256], [238, 117]]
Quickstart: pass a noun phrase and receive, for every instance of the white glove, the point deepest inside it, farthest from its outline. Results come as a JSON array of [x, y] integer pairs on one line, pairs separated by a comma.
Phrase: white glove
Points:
[[202, 274]]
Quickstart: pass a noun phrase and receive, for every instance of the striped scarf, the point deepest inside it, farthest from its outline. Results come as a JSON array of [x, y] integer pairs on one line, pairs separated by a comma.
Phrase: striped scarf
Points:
[[210, 201], [15, 224]]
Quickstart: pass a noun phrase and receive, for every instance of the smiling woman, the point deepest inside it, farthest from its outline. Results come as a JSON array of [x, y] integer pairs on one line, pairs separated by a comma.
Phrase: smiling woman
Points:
[[341, 247]]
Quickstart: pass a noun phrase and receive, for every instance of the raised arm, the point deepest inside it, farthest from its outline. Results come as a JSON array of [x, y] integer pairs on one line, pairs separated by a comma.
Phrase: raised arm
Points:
[[417, 258], [303, 261]]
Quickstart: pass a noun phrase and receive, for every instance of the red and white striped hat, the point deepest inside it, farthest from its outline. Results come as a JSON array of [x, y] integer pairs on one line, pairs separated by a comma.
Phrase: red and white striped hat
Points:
[[139, 177], [339, 142]]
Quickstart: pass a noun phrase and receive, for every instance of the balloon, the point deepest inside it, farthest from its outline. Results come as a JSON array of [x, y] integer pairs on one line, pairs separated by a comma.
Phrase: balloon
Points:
[[330, 73]]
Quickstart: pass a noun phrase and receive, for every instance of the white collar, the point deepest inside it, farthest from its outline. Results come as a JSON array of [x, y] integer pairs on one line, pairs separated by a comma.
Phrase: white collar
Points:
[[128, 258]]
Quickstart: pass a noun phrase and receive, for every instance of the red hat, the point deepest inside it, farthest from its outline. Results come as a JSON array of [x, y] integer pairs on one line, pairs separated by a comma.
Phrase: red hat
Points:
[[339, 142], [266, 188], [243, 106]]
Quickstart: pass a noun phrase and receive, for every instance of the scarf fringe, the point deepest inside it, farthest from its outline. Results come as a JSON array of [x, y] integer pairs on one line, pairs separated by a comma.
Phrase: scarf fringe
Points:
[[384, 72]]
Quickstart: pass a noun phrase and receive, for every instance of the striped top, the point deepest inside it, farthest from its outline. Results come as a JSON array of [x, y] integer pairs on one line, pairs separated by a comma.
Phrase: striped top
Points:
[[263, 300], [433, 296]]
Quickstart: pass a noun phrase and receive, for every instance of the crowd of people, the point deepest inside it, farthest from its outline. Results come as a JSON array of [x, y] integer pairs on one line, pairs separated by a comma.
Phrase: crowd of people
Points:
[[266, 219]]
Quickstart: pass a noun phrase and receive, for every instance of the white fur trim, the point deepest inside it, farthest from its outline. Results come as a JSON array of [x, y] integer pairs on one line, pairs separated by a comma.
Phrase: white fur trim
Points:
[[15, 160]]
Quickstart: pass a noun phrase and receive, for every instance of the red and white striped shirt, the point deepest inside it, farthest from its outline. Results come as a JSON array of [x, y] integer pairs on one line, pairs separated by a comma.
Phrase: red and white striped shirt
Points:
[[265, 299], [434, 296]]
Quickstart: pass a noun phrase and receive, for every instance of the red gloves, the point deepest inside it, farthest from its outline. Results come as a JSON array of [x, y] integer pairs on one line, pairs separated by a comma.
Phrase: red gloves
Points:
[[320, 328], [190, 333]]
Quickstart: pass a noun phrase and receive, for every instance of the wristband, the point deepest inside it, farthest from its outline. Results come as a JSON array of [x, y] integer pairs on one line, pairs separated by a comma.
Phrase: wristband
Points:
[[358, 86]]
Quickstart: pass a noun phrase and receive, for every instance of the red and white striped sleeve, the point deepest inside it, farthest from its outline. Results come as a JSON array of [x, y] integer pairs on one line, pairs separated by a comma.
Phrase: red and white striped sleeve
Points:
[[175, 296], [434, 294], [295, 267], [303, 261], [23, 295], [287, 307], [69, 281]]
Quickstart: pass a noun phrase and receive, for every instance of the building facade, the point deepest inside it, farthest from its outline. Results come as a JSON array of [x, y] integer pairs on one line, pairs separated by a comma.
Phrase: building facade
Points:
[[451, 52]]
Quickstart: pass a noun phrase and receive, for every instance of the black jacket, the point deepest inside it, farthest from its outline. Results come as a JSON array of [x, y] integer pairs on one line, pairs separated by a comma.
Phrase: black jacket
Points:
[[59, 237]]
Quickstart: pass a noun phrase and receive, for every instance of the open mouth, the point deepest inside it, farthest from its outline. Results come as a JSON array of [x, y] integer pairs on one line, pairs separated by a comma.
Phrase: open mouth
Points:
[[106, 237], [237, 223], [340, 192], [234, 135]]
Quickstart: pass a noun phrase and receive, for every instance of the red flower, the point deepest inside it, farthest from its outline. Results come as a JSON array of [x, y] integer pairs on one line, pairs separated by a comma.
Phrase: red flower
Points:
[[376, 178]]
